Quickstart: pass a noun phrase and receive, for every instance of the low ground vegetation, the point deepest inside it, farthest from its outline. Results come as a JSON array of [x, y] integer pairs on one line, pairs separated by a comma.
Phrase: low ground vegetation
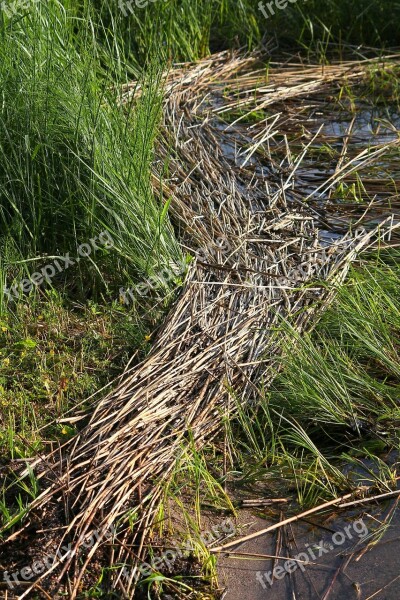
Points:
[[76, 160]]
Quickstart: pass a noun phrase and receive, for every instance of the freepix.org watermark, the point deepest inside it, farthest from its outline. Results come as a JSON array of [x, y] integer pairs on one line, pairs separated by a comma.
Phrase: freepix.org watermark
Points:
[[152, 283], [167, 559], [169, 273], [38, 567], [126, 5], [268, 9], [13, 8], [313, 552], [62, 263]]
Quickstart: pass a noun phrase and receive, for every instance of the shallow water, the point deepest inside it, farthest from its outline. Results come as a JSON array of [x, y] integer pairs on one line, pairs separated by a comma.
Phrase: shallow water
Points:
[[354, 569], [344, 567], [371, 125]]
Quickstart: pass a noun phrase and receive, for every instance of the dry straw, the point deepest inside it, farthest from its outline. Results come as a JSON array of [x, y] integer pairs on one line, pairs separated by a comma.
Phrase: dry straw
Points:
[[239, 183]]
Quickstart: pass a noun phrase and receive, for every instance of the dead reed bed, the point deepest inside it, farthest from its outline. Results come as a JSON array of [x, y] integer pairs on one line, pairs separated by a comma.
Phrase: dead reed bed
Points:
[[270, 245]]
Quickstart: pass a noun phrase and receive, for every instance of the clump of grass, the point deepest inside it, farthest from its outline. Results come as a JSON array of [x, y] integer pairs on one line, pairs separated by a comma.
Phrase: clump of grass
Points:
[[382, 87], [189, 29], [338, 391], [74, 162], [181, 29]]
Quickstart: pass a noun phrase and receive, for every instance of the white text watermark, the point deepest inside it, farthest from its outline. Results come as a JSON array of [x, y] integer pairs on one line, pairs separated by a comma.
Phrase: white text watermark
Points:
[[314, 551]]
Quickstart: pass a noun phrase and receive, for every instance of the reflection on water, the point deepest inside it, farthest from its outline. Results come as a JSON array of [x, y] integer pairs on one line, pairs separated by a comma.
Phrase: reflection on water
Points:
[[359, 569], [371, 125]]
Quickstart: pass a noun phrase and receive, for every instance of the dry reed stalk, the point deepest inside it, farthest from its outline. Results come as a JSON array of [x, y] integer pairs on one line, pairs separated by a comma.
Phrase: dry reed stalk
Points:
[[246, 219]]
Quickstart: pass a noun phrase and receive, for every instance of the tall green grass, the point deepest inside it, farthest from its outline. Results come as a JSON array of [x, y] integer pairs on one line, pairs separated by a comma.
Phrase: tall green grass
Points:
[[338, 394], [73, 161], [190, 29], [181, 29], [347, 373]]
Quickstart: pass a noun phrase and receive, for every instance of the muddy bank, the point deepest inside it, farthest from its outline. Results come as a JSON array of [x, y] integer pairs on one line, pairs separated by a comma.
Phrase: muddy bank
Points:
[[336, 558]]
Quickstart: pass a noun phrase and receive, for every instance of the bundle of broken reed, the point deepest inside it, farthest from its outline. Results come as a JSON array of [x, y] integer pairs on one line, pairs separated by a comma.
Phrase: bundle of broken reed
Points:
[[245, 220]]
